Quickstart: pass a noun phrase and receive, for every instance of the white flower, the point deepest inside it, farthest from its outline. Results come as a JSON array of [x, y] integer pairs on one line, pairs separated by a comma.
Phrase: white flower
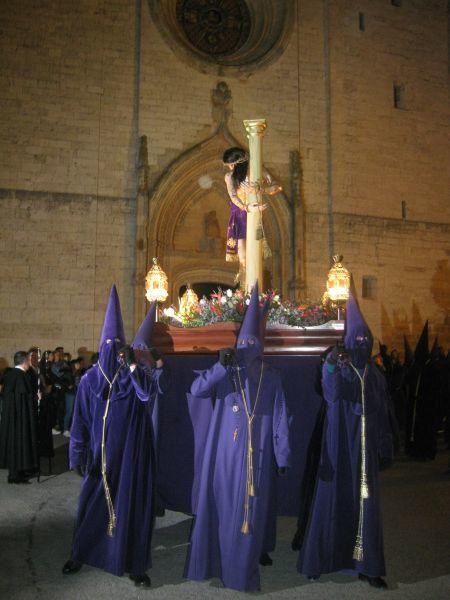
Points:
[[169, 312], [229, 293], [223, 299], [276, 298], [202, 302], [247, 302]]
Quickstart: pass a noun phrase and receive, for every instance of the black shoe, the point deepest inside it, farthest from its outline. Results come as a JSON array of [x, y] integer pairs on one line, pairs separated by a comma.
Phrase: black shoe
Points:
[[265, 560], [18, 480], [377, 582], [71, 566], [141, 580]]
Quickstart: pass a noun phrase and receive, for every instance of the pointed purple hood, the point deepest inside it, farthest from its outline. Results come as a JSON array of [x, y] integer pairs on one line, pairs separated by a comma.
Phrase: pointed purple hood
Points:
[[143, 338], [112, 338], [250, 341], [358, 338]]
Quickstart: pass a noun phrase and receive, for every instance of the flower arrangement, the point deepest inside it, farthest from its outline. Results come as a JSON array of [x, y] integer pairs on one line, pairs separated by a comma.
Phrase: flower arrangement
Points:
[[230, 305]]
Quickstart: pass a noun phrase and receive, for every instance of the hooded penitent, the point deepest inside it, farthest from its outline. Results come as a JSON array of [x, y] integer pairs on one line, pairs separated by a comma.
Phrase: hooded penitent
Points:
[[409, 354], [247, 438], [358, 338], [421, 353], [143, 338], [250, 341], [112, 338], [111, 440], [421, 408], [143, 342], [344, 531]]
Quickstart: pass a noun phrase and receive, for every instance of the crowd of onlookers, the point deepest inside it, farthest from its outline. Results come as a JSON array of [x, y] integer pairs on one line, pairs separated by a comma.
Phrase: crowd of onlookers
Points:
[[54, 377], [418, 389]]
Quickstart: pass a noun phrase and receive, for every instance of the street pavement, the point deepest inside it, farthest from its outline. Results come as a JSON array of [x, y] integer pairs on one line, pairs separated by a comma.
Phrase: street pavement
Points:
[[36, 526]]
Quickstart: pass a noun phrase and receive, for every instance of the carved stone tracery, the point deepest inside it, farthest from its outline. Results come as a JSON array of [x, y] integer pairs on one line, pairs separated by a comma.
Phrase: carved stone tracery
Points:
[[232, 37], [215, 27]]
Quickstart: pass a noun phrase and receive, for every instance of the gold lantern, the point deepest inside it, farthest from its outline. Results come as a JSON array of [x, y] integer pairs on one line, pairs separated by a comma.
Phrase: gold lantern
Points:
[[188, 299], [338, 283], [156, 284]]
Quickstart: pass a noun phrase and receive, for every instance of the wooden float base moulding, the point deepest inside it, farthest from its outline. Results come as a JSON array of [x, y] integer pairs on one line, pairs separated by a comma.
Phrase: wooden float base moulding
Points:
[[208, 340]]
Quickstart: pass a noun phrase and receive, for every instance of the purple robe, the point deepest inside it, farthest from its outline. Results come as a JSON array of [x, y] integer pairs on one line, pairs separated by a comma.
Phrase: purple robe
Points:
[[130, 469], [236, 230], [331, 533], [218, 548]]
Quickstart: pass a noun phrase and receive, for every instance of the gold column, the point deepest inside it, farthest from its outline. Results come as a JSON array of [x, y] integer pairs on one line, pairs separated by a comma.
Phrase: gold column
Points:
[[255, 129]]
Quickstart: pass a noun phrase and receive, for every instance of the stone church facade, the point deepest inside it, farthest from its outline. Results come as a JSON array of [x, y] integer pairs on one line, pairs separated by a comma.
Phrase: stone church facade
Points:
[[115, 114]]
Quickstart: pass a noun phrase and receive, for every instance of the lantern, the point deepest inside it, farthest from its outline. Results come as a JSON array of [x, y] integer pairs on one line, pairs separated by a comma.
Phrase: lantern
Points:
[[156, 283], [338, 283], [188, 299]]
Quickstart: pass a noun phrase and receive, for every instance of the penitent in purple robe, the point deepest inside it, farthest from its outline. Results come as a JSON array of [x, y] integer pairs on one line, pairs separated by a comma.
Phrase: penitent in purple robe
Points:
[[129, 458], [130, 474], [330, 538], [218, 546]]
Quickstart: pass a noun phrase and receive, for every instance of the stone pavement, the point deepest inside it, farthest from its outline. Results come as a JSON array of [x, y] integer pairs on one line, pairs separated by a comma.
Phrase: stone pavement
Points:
[[36, 525]]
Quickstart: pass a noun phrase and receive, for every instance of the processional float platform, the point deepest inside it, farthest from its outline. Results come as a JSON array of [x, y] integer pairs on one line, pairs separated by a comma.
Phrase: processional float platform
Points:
[[278, 340]]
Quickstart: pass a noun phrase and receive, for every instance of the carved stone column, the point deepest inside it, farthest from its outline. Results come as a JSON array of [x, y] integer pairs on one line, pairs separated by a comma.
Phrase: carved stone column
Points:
[[255, 129]]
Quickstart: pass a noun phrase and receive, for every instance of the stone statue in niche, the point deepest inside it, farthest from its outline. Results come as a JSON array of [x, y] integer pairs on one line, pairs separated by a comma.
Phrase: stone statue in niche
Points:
[[212, 242], [221, 100]]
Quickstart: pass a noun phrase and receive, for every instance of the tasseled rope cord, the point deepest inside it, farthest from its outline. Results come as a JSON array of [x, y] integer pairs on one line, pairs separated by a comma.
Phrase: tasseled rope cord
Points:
[[250, 414], [112, 515], [358, 551]]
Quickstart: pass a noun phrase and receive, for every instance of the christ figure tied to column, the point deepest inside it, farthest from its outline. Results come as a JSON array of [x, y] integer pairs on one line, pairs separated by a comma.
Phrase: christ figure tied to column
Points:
[[239, 188]]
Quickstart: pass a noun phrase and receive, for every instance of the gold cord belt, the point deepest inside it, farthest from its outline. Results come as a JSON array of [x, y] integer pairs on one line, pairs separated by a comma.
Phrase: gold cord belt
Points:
[[112, 515], [358, 550], [250, 414]]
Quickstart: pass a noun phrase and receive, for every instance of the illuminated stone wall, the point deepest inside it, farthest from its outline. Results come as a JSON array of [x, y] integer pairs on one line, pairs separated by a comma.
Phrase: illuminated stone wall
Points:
[[81, 82]]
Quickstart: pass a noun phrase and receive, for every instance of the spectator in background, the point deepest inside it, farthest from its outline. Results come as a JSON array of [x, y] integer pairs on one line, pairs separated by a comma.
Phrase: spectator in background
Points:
[[94, 359], [57, 372], [46, 407], [76, 372], [18, 427], [2, 377], [63, 392]]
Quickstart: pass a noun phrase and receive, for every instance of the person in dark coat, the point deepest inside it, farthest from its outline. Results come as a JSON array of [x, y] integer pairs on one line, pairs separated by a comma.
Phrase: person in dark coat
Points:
[[344, 531], [111, 446], [47, 409], [247, 443], [18, 427], [421, 437]]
